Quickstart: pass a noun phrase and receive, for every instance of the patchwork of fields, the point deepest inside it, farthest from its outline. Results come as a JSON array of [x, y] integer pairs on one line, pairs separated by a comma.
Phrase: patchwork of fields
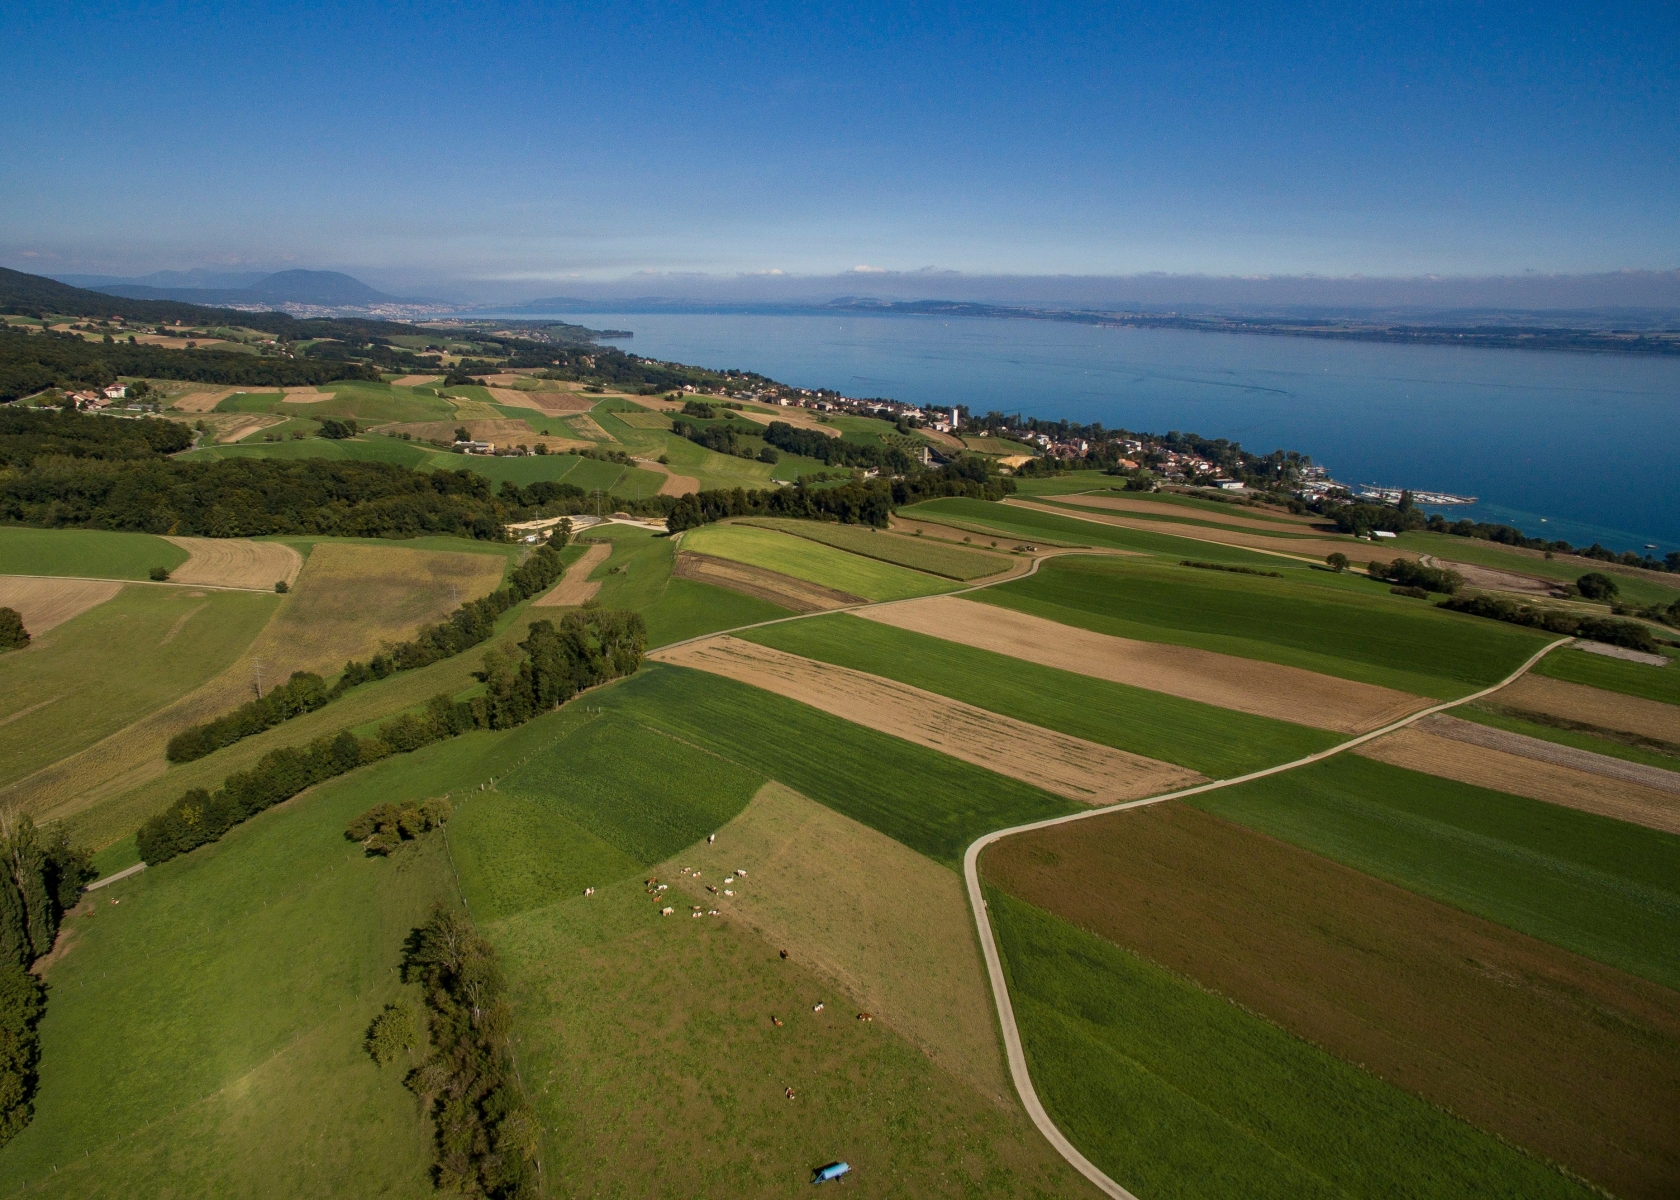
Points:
[[1415, 969]]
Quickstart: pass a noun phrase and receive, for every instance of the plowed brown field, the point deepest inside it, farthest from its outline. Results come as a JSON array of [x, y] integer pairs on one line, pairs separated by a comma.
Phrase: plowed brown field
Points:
[[548, 403], [1067, 766], [43, 602], [1575, 1061], [575, 587], [1595, 706], [1419, 750], [878, 920], [236, 562], [1247, 685], [779, 589], [415, 380], [232, 429]]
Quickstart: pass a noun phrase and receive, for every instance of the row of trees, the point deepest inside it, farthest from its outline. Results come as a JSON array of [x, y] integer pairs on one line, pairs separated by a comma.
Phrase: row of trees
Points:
[[1629, 634], [862, 502], [486, 1132], [304, 692], [590, 647], [1407, 573], [40, 880], [30, 363]]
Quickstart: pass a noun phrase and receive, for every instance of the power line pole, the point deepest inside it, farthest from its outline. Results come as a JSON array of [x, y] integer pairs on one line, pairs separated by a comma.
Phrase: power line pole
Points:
[[257, 663]]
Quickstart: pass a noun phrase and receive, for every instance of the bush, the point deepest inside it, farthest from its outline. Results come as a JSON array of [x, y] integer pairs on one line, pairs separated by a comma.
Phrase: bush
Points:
[[1407, 573], [1595, 585], [159, 574], [769, 455], [337, 430], [13, 636], [282, 587], [384, 827], [391, 1032], [1416, 593]]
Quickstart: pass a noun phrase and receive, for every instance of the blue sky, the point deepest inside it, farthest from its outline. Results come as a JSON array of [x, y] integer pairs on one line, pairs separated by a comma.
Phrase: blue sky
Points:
[[529, 145]]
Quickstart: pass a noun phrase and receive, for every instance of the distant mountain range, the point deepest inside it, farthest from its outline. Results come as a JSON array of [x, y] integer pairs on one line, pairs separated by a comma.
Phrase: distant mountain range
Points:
[[319, 289]]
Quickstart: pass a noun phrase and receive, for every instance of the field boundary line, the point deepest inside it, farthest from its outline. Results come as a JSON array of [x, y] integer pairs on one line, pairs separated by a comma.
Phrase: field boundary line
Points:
[[988, 943], [207, 587], [1206, 541]]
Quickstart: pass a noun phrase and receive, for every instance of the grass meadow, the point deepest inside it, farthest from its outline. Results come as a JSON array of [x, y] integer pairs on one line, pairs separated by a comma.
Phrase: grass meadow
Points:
[[209, 1025], [93, 553], [934, 804], [1370, 638], [140, 650], [1176, 1092], [919, 554], [1603, 888], [1215, 741], [1615, 675], [813, 562]]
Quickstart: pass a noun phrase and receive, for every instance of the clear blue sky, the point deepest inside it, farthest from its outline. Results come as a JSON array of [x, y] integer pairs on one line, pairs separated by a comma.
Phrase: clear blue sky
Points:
[[550, 142]]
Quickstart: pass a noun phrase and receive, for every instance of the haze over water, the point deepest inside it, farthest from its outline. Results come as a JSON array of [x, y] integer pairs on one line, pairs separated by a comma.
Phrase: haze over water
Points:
[[1586, 441]]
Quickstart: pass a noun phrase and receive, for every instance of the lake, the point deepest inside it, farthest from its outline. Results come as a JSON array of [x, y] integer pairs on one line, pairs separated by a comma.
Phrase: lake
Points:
[[1584, 447]]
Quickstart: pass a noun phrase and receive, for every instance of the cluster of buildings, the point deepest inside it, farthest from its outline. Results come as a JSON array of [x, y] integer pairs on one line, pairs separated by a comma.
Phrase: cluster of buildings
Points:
[[100, 399]]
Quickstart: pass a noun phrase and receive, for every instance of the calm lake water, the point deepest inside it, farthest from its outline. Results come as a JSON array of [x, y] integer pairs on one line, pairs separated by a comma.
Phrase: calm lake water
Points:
[[1590, 443]]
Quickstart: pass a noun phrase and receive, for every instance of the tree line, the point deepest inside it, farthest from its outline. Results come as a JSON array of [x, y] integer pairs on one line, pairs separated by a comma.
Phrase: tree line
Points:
[[30, 433], [838, 452], [584, 649], [31, 363], [471, 623], [40, 880], [1628, 634], [861, 502]]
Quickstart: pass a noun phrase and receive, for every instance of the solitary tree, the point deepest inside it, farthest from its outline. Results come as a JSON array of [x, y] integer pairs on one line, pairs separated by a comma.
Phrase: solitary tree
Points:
[[1595, 585], [13, 636], [1338, 561]]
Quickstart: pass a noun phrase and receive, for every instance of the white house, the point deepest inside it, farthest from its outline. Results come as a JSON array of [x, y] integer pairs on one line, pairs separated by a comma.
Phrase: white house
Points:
[[116, 391]]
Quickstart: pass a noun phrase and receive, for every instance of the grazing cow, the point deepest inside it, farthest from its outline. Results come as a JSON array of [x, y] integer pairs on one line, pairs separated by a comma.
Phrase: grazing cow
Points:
[[740, 872], [711, 889], [728, 891], [666, 911], [789, 1093], [710, 838], [866, 1016], [776, 1021], [784, 953], [588, 891], [819, 1007]]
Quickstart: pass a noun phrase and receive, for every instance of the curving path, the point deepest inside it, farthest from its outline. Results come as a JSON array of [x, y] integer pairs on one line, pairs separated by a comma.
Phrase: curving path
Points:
[[988, 944]]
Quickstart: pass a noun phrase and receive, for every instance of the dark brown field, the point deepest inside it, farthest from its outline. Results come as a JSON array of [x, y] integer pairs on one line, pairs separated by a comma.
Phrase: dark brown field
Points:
[[1575, 1061]]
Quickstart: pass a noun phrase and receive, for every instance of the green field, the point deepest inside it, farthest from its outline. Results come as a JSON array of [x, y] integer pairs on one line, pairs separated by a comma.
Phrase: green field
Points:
[[919, 554], [1191, 519], [1176, 1092], [1029, 524], [1603, 888], [209, 1027], [813, 562], [1614, 674], [689, 609], [934, 804], [1215, 741], [1371, 638], [140, 650], [1568, 737], [92, 553]]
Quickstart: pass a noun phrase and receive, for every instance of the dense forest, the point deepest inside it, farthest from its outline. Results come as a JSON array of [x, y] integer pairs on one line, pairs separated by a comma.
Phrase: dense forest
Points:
[[30, 433]]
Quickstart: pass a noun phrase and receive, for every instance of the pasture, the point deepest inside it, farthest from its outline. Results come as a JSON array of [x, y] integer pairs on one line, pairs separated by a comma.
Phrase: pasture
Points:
[[211, 1023], [1602, 888], [1379, 639], [930, 802], [141, 650], [813, 561], [88, 553], [919, 554], [1579, 1065], [1218, 742], [1176, 1092]]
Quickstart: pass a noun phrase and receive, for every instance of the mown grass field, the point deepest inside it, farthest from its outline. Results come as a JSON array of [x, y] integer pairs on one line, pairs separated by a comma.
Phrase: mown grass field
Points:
[[648, 1047], [1374, 639], [930, 802], [209, 1027], [1215, 741], [1567, 737], [1189, 520], [93, 553], [813, 562], [1175, 1092], [1605, 889], [919, 554], [110, 666], [1615, 675]]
